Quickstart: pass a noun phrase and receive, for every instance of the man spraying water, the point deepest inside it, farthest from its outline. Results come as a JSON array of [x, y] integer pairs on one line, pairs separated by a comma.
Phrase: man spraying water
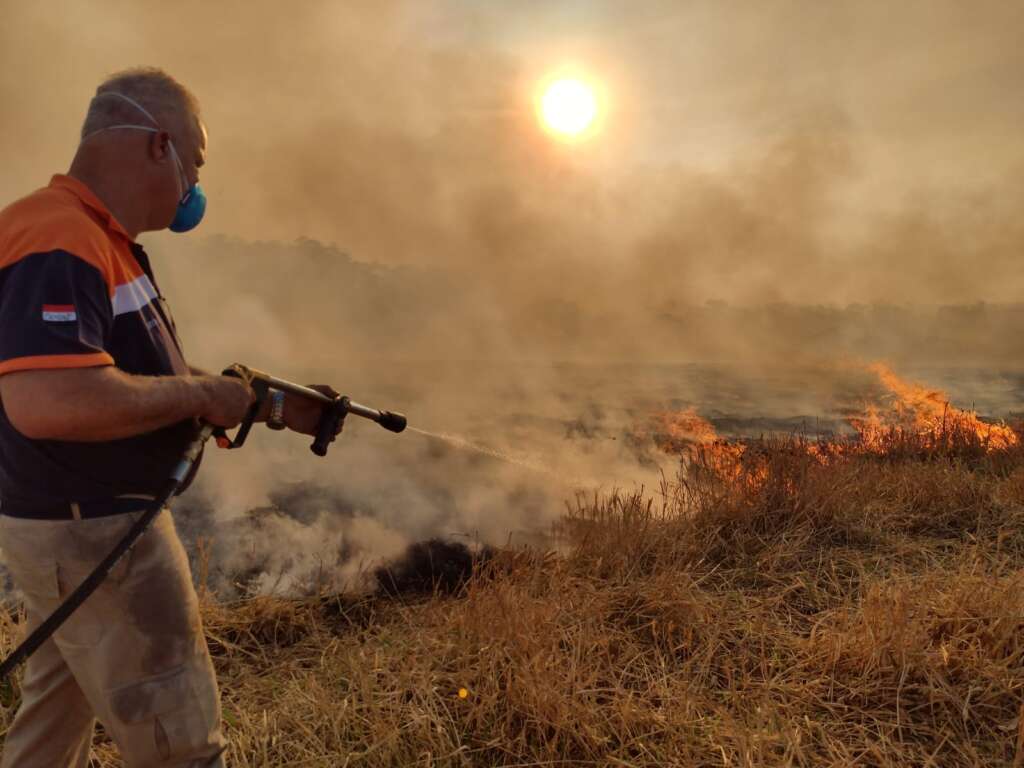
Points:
[[98, 404]]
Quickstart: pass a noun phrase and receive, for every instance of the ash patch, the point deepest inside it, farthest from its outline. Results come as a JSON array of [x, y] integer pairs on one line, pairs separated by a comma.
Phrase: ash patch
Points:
[[430, 567]]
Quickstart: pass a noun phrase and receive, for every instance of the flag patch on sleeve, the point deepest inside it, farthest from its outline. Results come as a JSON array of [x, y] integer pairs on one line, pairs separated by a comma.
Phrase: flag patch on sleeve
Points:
[[59, 313]]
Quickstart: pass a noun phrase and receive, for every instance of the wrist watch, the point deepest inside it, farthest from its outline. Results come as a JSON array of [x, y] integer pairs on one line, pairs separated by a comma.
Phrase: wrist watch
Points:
[[276, 418]]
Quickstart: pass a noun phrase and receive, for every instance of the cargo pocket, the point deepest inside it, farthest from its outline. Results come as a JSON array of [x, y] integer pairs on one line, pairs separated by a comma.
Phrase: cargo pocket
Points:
[[161, 719], [87, 625]]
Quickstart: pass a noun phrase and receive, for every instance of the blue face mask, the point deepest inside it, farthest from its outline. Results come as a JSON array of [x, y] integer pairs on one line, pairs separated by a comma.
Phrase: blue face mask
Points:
[[191, 209], [192, 200]]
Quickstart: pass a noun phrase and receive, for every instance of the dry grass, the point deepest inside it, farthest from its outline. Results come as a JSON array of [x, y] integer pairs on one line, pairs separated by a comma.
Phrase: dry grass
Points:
[[786, 604]]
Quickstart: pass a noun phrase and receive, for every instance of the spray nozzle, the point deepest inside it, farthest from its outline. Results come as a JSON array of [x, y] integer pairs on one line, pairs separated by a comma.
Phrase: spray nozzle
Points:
[[335, 409]]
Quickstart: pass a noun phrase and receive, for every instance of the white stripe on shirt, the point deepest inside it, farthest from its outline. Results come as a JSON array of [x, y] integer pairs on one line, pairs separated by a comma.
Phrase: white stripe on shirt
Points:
[[133, 296]]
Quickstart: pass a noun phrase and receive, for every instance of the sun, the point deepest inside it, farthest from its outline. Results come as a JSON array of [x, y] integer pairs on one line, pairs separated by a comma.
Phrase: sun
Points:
[[568, 107]]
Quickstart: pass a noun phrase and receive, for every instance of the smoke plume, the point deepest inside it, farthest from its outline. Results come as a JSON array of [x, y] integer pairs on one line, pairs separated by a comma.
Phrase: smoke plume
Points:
[[777, 189]]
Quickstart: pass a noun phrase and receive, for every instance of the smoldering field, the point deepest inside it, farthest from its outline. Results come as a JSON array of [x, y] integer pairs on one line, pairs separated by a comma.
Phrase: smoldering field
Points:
[[777, 190], [513, 440]]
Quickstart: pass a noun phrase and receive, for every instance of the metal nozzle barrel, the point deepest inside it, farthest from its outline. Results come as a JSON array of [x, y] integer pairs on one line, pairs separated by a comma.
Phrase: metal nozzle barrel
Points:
[[396, 422]]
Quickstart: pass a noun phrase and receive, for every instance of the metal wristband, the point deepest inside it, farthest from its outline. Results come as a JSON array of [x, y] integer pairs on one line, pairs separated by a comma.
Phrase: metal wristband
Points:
[[276, 418]]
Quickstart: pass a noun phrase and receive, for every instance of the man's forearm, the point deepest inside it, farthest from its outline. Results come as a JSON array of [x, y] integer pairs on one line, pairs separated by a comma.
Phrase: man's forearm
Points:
[[97, 404], [150, 402]]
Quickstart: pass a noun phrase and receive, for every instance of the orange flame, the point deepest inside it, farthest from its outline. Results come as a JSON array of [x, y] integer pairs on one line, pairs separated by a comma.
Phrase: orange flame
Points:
[[921, 411], [912, 416], [687, 434], [673, 431]]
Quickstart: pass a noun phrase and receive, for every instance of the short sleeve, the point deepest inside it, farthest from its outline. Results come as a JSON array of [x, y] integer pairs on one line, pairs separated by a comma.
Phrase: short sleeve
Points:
[[55, 312]]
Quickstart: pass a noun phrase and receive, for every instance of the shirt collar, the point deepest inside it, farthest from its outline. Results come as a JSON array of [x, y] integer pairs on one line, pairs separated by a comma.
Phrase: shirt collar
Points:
[[89, 199]]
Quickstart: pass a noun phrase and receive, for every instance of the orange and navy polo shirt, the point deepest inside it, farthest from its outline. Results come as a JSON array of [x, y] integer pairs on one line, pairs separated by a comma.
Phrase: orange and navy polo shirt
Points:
[[76, 291]]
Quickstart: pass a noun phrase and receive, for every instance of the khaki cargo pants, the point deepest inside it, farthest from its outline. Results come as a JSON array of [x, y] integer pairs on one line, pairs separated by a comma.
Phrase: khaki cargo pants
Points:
[[133, 655]]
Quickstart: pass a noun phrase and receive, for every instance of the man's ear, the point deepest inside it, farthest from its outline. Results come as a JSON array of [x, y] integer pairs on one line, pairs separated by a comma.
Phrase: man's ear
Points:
[[160, 146]]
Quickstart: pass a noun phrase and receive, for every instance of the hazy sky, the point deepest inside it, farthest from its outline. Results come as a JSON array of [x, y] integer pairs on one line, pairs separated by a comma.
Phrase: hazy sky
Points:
[[752, 151]]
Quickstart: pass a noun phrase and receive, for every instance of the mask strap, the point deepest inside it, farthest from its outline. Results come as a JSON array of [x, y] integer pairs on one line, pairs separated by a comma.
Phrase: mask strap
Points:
[[183, 188], [131, 101], [135, 104], [126, 125]]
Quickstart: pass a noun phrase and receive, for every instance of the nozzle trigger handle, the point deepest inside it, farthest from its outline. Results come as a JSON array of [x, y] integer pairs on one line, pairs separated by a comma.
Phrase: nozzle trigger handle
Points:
[[330, 419]]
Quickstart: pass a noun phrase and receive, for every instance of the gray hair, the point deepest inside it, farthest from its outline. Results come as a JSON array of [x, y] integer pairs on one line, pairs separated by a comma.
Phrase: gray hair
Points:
[[161, 95]]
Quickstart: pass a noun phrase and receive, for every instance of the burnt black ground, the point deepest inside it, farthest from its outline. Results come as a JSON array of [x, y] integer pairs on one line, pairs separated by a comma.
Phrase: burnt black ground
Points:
[[430, 567]]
